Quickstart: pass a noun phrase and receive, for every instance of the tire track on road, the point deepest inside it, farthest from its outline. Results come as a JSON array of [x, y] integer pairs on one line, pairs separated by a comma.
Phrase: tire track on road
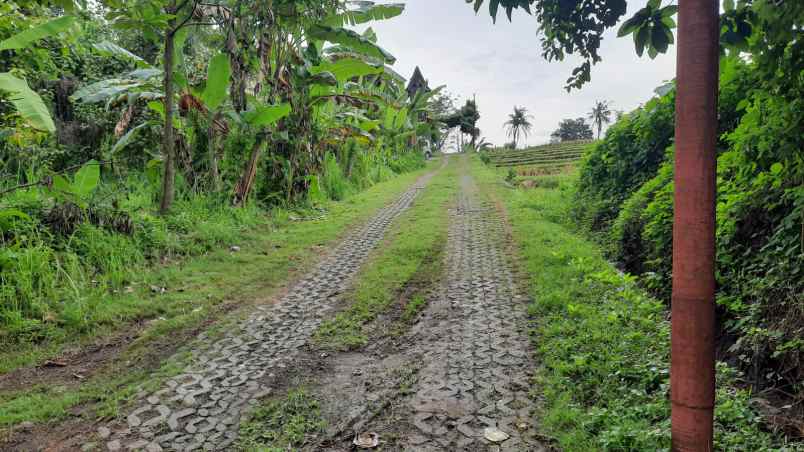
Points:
[[200, 409]]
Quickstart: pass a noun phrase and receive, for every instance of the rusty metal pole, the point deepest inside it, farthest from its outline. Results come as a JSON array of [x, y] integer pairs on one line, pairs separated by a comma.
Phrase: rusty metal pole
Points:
[[692, 372]]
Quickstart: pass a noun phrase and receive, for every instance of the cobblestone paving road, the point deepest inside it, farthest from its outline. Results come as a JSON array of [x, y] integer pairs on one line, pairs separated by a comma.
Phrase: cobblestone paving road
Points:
[[201, 408], [476, 366]]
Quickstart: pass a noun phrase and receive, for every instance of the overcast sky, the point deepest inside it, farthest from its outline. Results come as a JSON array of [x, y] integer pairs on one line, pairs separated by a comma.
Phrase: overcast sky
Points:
[[502, 65]]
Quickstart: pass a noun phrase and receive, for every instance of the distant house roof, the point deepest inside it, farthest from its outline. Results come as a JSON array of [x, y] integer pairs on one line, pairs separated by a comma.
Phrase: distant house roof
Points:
[[417, 83]]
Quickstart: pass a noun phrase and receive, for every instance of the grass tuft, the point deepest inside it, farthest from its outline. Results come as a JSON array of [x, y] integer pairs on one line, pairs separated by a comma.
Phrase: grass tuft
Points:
[[282, 425]]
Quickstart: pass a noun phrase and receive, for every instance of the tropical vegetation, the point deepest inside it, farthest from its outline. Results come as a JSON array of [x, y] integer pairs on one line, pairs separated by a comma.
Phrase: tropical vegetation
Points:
[[600, 115], [518, 124], [572, 130], [623, 199], [134, 132]]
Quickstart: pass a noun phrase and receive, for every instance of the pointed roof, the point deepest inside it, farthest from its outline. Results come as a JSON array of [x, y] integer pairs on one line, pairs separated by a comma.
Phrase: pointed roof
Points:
[[417, 83]]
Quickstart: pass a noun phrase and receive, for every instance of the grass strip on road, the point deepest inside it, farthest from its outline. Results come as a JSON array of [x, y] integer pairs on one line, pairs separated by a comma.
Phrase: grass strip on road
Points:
[[408, 257], [282, 424]]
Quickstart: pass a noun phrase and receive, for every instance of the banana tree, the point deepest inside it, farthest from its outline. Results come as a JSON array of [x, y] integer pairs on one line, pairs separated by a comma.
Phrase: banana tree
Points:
[[28, 104], [213, 98], [260, 118], [162, 22], [146, 84], [141, 87]]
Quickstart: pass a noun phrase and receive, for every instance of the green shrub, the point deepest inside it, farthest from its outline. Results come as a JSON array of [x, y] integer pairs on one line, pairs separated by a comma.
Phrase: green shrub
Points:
[[28, 278], [111, 256], [58, 261], [637, 145], [629, 155], [603, 344], [641, 236], [406, 162], [625, 202], [381, 173], [361, 171], [333, 181]]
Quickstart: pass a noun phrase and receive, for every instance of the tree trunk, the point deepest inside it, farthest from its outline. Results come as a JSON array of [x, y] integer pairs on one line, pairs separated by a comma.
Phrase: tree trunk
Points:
[[692, 343], [212, 143], [168, 142], [237, 63], [246, 182]]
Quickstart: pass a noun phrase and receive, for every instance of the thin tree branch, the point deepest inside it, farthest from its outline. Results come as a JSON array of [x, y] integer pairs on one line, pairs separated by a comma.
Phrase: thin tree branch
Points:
[[189, 16], [182, 5], [20, 187]]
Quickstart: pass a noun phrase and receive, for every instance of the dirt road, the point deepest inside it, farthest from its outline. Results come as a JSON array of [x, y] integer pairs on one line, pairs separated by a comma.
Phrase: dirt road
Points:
[[457, 380]]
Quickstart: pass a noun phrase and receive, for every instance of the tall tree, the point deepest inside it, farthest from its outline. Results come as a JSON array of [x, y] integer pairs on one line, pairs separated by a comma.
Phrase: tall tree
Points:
[[161, 20], [442, 106], [573, 129], [466, 119], [600, 114], [518, 124]]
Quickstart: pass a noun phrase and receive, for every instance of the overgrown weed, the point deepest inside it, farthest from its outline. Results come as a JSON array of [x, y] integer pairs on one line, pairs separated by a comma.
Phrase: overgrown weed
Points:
[[284, 424]]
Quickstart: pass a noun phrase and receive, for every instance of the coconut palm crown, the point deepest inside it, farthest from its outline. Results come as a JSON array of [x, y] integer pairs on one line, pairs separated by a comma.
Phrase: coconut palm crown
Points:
[[600, 114], [518, 124]]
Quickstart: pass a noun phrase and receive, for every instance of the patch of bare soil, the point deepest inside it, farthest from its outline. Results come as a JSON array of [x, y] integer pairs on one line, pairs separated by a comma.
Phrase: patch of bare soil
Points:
[[64, 436], [73, 365]]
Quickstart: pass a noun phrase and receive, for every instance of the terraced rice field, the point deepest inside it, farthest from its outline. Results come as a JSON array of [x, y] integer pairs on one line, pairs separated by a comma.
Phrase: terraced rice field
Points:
[[546, 159]]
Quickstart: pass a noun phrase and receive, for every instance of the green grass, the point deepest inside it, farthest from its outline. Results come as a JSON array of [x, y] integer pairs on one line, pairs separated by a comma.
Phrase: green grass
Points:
[[198, 290], [107, 393], [59, 262], [602, 343], [413, 308], [282, 425], [411, 253]]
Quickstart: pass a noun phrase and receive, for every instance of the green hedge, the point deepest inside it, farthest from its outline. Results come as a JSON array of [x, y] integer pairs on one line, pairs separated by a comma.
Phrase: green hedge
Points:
[[625, 201]]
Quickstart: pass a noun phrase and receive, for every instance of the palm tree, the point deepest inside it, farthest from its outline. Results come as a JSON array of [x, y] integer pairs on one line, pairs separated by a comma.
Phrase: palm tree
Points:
[[600, 114], [518, 124]]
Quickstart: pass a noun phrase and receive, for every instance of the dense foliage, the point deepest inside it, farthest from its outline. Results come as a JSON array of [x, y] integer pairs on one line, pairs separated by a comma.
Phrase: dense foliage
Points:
[[465, 120], [625, 198], [572, 130], [145, 129], [603, 342]]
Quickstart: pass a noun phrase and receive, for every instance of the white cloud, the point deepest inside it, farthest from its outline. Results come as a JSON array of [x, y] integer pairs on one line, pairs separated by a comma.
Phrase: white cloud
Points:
[[502, 65]]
